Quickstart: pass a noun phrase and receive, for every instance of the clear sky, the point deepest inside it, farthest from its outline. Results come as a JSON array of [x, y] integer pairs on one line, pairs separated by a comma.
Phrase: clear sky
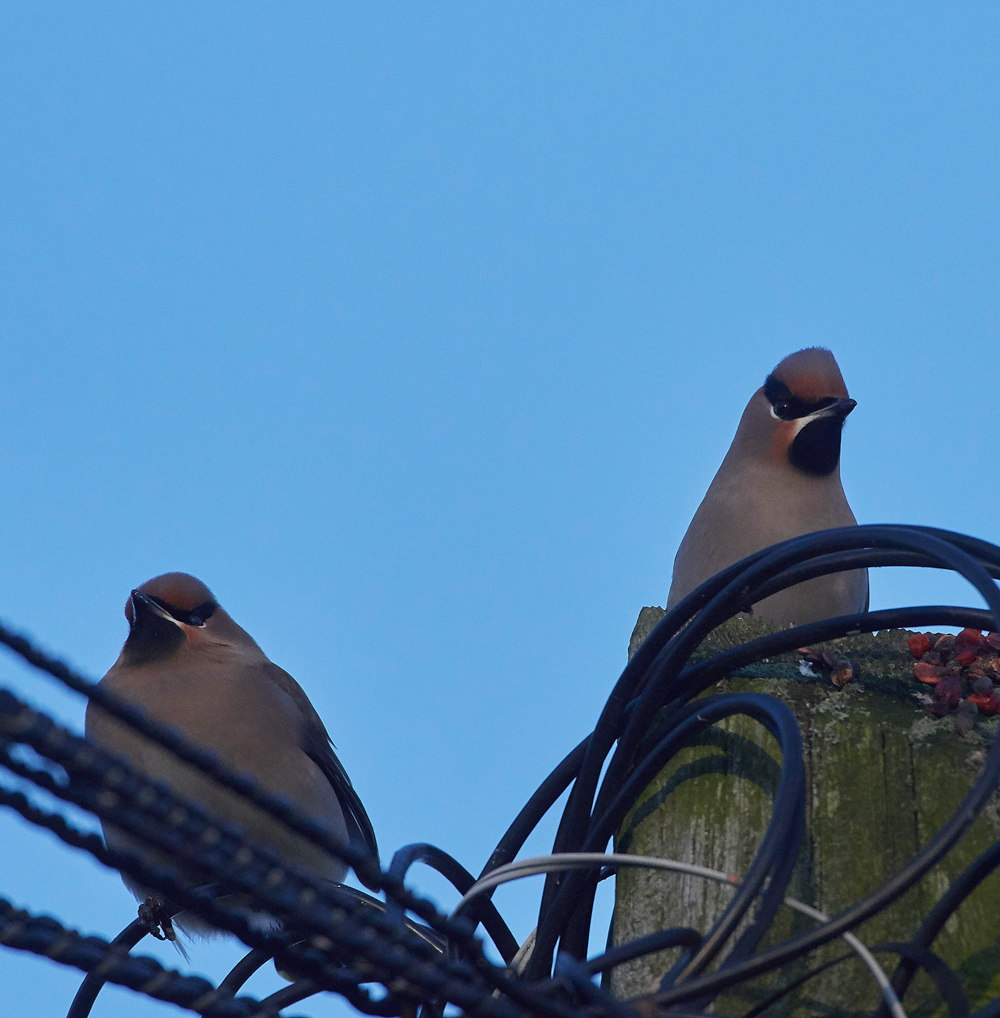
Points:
[[417, 331]]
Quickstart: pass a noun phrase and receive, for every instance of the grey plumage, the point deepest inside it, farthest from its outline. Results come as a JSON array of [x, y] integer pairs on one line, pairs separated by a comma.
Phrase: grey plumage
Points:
[[187, 663], [780, 479]]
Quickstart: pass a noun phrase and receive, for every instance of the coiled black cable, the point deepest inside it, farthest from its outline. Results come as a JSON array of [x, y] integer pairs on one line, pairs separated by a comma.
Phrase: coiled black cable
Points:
[[651, 713]]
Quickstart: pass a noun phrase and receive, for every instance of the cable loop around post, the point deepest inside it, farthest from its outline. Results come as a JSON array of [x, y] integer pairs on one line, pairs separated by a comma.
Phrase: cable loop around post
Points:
[[385, 962]]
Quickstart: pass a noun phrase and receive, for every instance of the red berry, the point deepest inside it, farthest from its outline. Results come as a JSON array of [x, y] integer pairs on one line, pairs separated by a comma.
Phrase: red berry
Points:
[[920, 643], [989, 702], [968, 640], [927, 673]]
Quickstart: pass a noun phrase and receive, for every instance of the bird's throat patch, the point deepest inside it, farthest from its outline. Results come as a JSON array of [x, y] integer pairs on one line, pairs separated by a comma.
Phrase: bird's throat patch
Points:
[[816, 448], [152, 638]]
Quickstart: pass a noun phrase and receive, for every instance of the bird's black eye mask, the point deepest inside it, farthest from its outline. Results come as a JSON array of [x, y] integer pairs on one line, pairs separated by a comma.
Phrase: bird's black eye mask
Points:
[[789, 407], [196, 617]]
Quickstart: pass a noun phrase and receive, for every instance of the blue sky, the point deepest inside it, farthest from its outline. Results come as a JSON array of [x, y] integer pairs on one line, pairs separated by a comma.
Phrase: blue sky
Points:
[[418, 331]]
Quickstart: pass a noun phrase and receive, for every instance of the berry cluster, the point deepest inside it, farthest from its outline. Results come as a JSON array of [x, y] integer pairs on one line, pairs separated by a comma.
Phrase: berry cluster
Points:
[[962, 669]]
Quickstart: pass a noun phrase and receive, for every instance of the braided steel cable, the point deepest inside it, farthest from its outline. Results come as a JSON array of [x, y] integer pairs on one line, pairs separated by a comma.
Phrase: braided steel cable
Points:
[[105, 960], [45, 936], [650, 714], [382, 946]]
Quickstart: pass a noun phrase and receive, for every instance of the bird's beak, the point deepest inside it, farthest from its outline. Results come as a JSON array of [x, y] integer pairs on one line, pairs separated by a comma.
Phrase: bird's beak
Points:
[[143, 603], [839, 408]]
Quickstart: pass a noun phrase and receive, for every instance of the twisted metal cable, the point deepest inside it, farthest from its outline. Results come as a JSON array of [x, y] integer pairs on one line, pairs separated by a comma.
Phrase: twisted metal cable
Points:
[[648, 717], [112, 965], [385, 949], [45, 936]]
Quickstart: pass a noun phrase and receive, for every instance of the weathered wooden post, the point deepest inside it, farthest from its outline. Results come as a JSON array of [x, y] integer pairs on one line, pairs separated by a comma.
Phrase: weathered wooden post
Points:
[[882, 776]]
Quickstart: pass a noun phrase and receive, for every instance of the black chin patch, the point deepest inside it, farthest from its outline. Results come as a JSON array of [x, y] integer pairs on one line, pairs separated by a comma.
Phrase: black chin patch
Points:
[[816, 448], [151, 638]]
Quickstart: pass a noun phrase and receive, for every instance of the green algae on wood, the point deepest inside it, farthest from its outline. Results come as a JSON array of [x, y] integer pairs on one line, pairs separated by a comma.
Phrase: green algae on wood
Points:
[[882, 777]]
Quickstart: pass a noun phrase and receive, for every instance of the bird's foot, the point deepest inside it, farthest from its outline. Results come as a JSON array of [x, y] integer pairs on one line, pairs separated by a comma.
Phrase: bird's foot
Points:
[[155, 917]]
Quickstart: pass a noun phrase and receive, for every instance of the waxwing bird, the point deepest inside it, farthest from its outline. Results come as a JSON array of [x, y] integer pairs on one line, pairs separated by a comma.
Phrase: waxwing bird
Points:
[[780, 479], [188, 664]]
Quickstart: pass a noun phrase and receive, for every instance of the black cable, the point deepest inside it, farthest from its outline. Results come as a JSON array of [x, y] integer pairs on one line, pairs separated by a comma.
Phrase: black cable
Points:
[[650, 713], [990, 1010], [723, 602], [944, 907], [68, 751], [270, 1006], [461, 879], [680, 936], [697, 677], [92, 984], [951, 831], [242, 970], [204, 760], [786, 816], [773, 998], [947, 983], [116, 966], [45, 936], [535, 808], [275, 806], [662, 647], [734, 595], [579, 977]]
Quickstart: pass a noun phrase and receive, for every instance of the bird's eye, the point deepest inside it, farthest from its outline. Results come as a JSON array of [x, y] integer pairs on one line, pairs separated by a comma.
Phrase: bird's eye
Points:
[[201, 614], [779, 410]]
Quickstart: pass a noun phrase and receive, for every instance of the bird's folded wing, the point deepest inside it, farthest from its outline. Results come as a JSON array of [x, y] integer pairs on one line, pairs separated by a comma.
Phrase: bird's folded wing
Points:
[[319, 747]]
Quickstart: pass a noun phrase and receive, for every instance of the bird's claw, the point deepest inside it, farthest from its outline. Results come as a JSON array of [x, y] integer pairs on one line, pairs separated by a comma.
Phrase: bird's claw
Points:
[[155, 919]]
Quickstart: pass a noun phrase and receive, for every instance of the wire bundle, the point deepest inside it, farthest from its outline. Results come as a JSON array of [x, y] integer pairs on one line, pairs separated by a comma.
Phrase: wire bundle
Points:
[[342, 941]]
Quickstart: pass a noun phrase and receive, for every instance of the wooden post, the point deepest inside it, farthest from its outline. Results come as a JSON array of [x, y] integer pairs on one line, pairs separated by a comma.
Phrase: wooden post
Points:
[[882, 776]]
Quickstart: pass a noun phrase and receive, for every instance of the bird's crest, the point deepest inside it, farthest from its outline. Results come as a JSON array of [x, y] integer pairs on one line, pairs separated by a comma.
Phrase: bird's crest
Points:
[[811, 375], [175, 590]]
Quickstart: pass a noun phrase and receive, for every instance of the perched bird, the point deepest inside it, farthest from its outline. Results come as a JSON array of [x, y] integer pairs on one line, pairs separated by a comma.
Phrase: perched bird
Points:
[[188, 664], [780, 479]]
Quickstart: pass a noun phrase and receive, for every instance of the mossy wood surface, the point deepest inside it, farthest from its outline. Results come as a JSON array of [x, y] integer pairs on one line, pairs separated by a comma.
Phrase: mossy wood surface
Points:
[[882, 776]]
